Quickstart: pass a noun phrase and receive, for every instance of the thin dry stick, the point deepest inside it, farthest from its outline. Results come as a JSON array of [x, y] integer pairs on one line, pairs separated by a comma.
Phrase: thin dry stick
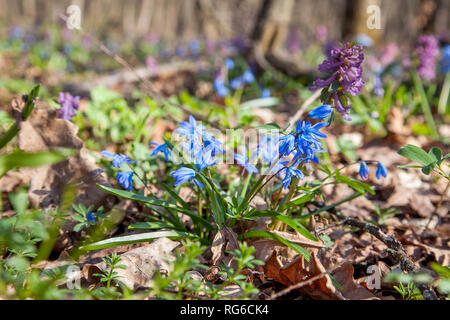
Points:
[[395, 248], [305, 105]]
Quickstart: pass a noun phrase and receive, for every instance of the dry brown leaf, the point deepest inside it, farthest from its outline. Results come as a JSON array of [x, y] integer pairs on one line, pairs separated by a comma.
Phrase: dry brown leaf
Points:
[[141, 263], [44, 131], [350, 288], [224, 240]]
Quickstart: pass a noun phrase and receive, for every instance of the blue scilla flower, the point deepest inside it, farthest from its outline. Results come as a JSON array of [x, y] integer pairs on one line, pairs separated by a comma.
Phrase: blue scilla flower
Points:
[[364, 171], [220, 87], [194, 47], [183, 175], [321, 112], [192, 131], [311, 133], [180, 51], [445, 62], [382, 171], [205, 159], [215, 145], [289, 174], [287, 144], [265, 93], [236, 83], [229, 64], [267, 148], [125, 179], [248, 77], [91, 217], [164, 148], [243, 161], [117, 160]]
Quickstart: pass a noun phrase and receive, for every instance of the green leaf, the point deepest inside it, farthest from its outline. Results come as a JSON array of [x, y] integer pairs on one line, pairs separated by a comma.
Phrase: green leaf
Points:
[[21, 159], [273, 236], [156, 202], [285, 219], [301, 200], [355, 184], [414, 153], [435, 153], [136, 238], [30, 101], [152, 226], [260, 103]]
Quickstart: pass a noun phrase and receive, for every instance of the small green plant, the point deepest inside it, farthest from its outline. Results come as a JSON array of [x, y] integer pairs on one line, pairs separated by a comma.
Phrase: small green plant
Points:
[[109, 276], [383, 214], [443, 282], [244, 259], [86, 217], [410, 292]]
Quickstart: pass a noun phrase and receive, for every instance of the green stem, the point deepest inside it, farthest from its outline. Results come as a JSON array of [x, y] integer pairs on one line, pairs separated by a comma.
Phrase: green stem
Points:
[[331, 206], [444, 95], [247, 181], [424, 103]]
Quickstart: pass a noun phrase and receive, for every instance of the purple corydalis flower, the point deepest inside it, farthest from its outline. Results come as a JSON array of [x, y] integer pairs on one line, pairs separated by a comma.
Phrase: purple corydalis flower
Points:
[[427, 50], [293, 43], [345, 66], [364, 171], [68, 106], [382, 171], [125, 179], [322, 32]]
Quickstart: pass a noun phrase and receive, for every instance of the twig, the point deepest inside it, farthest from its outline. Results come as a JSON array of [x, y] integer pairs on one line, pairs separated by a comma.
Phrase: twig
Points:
[[395, 248], [305, 105]]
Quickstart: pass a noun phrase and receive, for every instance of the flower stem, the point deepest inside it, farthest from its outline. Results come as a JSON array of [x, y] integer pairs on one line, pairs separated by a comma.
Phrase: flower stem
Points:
[[424, 103]]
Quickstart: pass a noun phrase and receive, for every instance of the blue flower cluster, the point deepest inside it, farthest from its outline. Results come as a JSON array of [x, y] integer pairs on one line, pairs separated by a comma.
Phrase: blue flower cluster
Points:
[[220, 82], [198, 148], [282, 155]]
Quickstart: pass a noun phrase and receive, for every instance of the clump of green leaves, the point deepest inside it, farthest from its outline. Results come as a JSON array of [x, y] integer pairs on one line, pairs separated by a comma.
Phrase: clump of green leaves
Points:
[[431, 161], [110, 275], [86, 217], [410, 292]]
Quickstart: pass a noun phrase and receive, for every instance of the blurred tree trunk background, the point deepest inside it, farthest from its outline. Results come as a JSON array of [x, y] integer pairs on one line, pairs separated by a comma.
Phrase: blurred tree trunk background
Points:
[[267, 21]]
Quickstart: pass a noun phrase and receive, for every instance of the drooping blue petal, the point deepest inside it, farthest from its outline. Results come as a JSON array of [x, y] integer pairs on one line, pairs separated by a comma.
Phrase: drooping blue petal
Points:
[[125, 179], [382, 171], [182, 175], [164, 148], [321, 112], [364, 171]]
